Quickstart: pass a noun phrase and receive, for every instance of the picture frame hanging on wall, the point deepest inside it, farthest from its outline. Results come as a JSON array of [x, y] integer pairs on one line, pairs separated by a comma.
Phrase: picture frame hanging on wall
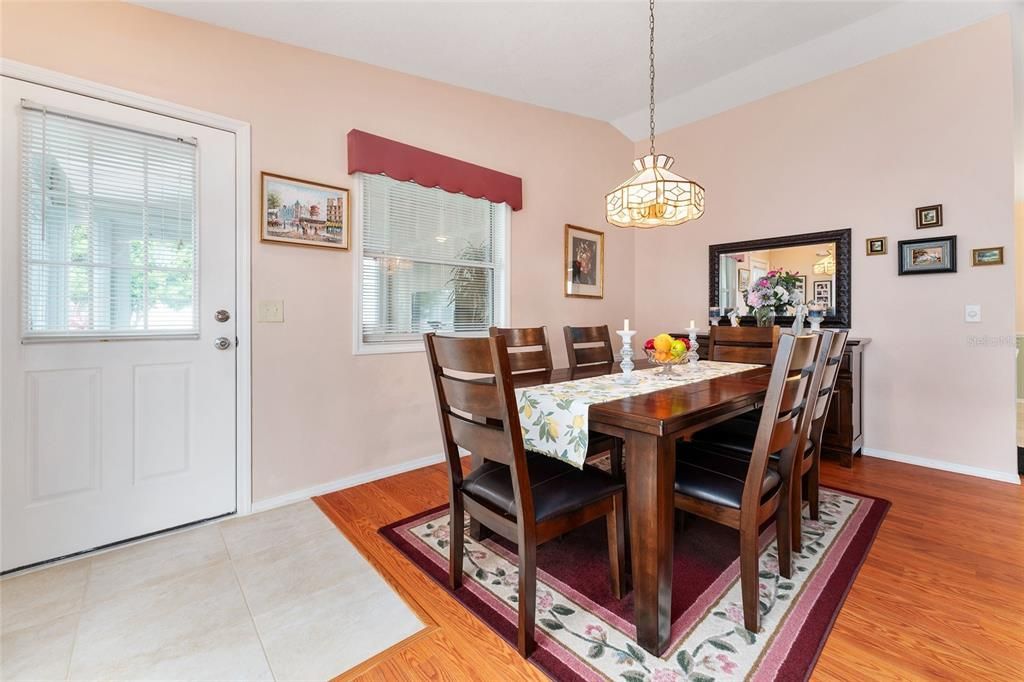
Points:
[[304, 213], [927, 256], [991, 255], [583, 270], [928, 216]]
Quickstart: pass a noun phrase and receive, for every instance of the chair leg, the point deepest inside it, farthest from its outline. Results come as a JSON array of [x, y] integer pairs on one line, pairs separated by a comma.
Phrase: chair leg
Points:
[[456, 541], [527, 597], [813, 478], [616, 459], [617, 546], [795, 512], [749, 579], [784, 535], [478, 531]]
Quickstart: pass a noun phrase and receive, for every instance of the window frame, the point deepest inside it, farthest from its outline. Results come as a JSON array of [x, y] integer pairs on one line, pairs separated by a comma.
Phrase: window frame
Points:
[[360, 347]]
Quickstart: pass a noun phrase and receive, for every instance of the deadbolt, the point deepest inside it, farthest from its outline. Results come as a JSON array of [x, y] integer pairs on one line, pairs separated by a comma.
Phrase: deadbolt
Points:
[[222, 316]]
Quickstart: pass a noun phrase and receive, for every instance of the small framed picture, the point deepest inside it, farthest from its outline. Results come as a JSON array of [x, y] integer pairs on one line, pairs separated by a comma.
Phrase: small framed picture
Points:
[[927, 256], [929, 216], [743, 279], [823, 292], [584, 262], [801, 288], [878, 246], [304, 213], [992, 255]]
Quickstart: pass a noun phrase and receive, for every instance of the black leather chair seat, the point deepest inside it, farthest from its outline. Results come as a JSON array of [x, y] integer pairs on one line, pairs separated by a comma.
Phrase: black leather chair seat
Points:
[[558, 488], [716, 475], [738, 435]]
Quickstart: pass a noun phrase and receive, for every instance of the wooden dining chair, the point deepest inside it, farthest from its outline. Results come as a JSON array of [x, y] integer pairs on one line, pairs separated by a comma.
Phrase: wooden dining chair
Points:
[[526, 499], [738, 434], [744, 493], [538, 359], [756, 345], [810, 464], [588, 346]]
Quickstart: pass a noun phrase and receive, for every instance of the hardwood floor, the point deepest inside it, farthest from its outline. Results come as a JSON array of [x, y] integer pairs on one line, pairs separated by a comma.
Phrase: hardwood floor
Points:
[[941, 595]]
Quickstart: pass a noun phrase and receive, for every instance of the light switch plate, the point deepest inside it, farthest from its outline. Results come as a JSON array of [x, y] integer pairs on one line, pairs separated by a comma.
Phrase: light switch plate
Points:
[[972, 312], [270, 311]]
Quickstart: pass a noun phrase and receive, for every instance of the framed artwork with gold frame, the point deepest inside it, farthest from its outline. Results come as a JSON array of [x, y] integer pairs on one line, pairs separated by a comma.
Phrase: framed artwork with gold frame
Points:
[[583, 270], [877, 246], [303, 213], [990, 255]]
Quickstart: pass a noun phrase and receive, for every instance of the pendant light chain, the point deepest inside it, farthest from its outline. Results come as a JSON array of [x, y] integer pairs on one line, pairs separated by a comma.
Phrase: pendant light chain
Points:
[[652, 77]]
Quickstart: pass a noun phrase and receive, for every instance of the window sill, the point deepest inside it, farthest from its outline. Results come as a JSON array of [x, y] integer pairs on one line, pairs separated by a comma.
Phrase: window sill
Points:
[[388, 348]]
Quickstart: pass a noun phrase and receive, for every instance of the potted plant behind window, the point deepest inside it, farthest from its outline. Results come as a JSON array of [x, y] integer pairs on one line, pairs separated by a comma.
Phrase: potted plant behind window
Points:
[[469, 296]]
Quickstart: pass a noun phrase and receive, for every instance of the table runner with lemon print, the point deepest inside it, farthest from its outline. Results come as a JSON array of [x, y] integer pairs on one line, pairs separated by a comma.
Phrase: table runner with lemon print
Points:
[[555, 417]]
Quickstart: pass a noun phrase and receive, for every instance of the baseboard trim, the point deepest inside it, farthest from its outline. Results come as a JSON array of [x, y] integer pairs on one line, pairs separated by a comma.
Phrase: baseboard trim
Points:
[[347, 482], [943, 465]]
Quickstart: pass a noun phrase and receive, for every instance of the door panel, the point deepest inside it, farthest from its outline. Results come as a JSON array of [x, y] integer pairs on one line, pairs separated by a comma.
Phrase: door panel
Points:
[[107, 439]]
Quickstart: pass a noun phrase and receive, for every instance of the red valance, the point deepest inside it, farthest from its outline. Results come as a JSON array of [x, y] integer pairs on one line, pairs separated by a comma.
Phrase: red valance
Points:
[[373, 154]]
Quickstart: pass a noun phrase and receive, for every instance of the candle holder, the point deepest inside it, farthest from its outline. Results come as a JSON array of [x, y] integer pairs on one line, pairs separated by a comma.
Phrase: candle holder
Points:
[[692, 357], [714, 315], [815, 315], [627, 356]]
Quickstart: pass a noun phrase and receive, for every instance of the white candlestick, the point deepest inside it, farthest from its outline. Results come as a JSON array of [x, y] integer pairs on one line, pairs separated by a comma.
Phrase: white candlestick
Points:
[[627, 356], [625, 325], [692, 325]]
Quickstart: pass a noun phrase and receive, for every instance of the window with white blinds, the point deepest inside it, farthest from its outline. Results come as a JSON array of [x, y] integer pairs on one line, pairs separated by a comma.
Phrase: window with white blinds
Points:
[[108, 226], [430, 261]]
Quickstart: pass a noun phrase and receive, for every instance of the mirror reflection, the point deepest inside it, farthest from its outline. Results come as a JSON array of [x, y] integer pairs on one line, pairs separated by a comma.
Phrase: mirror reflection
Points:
[[814, 266]]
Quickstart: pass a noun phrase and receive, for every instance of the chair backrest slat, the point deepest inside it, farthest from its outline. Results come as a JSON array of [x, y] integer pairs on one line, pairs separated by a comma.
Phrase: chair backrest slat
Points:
[[472, 397], [535, 338], [454, 355], [744, 344], [483, 439], [576, 340]]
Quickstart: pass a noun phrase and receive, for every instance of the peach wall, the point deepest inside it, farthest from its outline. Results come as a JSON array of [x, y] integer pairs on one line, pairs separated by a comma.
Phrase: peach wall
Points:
[[861, 149], [320, 413]]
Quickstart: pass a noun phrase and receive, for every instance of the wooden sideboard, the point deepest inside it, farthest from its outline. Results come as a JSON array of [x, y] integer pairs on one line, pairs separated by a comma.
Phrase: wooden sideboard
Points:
[[844, 425]]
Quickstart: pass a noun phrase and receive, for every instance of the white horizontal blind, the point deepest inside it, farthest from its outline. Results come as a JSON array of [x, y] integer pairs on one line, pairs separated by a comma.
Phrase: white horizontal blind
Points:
[[108, 227], [431, 261]]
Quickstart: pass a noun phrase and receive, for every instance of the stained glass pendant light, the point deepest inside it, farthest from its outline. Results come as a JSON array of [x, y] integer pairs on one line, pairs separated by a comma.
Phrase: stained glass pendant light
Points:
[[654, 196]]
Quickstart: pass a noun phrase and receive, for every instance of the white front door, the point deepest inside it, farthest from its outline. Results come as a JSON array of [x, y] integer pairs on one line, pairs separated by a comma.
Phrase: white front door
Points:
[[117, 276]]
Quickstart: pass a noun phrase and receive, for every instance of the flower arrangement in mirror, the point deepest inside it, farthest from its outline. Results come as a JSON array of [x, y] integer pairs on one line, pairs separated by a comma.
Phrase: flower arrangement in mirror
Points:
[[772, 294]]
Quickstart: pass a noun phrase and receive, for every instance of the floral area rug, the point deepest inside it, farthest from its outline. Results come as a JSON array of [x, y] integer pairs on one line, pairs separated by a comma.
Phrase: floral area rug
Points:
[[583, 633]]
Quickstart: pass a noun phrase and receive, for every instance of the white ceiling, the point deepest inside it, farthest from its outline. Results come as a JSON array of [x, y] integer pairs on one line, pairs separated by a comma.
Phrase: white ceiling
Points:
[[590, 58]]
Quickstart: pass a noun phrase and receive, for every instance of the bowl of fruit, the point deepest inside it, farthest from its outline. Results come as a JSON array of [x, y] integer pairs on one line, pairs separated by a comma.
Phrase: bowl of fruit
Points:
[[667, 351]]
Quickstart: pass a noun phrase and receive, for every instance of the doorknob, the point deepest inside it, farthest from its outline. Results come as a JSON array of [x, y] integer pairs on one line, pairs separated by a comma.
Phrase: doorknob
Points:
[[222, 343], [222, 316]]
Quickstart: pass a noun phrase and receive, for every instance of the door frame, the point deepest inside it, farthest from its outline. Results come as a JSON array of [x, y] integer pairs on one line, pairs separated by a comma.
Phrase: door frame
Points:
[[243, 237]]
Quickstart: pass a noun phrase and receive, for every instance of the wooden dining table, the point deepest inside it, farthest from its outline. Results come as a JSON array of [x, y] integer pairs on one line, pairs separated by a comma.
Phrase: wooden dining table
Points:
[[650, 424]]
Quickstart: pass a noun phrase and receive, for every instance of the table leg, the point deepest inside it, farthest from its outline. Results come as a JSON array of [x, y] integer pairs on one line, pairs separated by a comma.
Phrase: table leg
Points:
[[650, 473]]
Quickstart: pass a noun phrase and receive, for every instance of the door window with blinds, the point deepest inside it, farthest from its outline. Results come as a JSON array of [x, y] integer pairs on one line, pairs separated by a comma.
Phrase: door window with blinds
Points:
[[430, 261], [108, 226]]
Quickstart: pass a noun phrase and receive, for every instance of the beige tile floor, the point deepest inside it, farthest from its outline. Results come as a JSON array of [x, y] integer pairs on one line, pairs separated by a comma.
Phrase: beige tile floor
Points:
[[277, 595]]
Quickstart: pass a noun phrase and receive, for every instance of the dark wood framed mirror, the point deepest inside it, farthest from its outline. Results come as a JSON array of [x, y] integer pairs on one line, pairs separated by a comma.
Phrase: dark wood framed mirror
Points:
[[822, 259]]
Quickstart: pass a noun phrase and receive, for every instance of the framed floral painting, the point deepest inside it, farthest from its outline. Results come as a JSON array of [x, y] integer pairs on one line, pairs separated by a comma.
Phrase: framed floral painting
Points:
[[584, 262]]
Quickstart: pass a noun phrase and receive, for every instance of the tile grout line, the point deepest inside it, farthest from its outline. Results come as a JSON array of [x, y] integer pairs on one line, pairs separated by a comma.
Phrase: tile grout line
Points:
[[78, 619], [248, 608]]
